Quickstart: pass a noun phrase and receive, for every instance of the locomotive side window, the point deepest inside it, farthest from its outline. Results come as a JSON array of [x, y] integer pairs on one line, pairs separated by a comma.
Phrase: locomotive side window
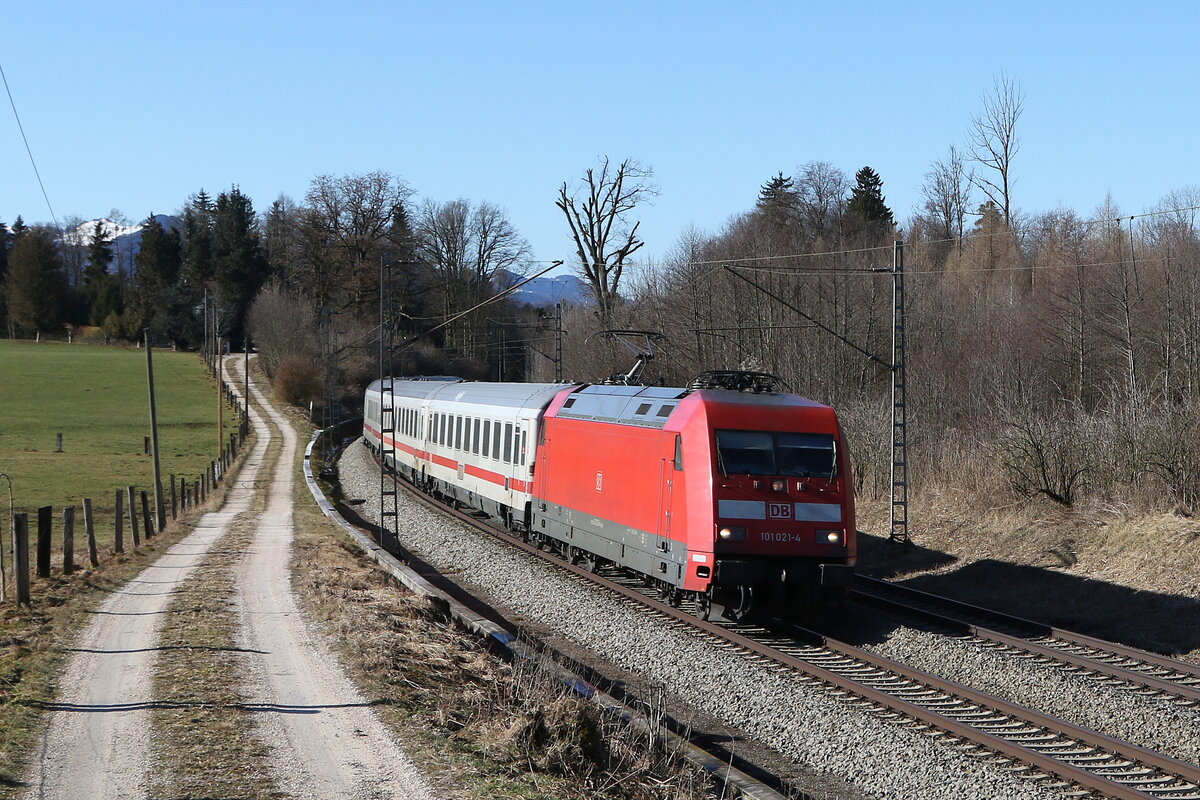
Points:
[[457, 432], [678, 452], [496, 440], [487, 436], [507, 451]]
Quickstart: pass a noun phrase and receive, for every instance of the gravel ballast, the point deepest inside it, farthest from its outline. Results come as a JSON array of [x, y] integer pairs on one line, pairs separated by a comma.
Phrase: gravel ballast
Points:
[[776, 708], [1154, 723]]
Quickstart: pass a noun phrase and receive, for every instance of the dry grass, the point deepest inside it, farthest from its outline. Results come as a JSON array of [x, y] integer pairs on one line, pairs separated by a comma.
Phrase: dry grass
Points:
[[478, 726], [1128, 577]]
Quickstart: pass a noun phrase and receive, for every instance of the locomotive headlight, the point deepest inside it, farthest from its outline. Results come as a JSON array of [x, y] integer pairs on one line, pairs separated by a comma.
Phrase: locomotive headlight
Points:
[[777, 485], [829, 537], [732, 533]]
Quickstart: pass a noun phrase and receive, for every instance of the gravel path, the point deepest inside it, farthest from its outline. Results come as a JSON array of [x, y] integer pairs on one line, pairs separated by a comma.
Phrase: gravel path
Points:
[[325, 739], [96, 743], [776, 708]]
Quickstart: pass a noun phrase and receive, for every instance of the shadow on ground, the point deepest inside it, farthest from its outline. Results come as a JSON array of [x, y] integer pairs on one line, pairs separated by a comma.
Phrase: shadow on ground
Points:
[[1161, 623]]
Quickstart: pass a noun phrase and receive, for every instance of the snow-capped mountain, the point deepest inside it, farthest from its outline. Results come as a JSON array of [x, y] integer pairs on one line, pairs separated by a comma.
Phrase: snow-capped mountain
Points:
[[125, 240], [547, 290]]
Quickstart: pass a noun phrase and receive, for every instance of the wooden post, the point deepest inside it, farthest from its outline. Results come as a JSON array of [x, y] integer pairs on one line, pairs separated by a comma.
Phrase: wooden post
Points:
[[68, 540], [119, 525], [89, 528], [58, 442], [160, 511], [146, 518], [21, 556], [203, 487], [45, 518], [174, 499], [183, 495], [133, 522]]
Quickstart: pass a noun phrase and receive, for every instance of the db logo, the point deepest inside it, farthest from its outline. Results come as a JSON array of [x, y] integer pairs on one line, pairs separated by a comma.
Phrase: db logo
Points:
[[779, 510]]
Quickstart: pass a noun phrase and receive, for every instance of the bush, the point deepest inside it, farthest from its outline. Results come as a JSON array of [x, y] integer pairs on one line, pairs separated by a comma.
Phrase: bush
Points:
[[297, 380]]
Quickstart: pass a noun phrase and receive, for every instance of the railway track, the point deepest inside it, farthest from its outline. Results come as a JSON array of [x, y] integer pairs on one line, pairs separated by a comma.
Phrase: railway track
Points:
[[1113, 664], [1073, 760]]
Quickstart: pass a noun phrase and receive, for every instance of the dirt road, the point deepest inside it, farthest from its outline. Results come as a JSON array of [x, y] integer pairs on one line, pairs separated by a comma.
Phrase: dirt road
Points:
[[325, 741]]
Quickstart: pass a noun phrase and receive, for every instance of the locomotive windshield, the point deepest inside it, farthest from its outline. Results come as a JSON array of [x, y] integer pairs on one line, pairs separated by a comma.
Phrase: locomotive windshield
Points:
[[802, 455]]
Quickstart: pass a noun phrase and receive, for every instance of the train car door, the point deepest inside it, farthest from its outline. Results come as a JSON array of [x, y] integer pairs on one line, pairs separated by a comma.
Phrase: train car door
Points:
[[665, 501]]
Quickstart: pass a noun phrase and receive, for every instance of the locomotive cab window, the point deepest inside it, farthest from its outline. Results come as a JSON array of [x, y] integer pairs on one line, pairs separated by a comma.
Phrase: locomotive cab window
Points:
[[804, 455], [807, 455]]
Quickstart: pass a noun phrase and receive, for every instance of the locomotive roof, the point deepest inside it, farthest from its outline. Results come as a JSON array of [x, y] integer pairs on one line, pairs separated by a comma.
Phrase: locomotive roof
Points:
[[644, 406], [651, 406]]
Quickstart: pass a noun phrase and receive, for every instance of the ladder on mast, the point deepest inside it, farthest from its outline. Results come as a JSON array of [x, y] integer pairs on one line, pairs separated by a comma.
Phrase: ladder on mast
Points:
[[898, 528], [389, 501]]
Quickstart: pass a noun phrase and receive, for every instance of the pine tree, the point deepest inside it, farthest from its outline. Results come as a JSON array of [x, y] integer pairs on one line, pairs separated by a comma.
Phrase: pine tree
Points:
[[197, 242], [866, 198], [37, 281], [240, 264], [100, 255], [777, 193]]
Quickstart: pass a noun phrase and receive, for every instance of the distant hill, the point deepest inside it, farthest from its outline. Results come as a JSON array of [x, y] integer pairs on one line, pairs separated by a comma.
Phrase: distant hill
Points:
[[547, 290], [126, 239]]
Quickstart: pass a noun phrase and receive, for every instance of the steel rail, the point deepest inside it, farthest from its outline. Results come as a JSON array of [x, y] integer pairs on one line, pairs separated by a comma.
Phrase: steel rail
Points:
[[1110, 787], [1186, 685]]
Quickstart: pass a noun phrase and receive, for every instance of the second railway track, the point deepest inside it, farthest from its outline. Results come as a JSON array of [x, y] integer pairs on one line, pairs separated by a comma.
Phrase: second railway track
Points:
[[1059, 756], [1118, 665]]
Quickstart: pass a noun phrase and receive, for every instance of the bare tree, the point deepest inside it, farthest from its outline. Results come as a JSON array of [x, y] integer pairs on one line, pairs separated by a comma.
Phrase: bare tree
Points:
[[822, 189], [349, 219], [947, 191], [467, 247], [598, 213], [994, 143]]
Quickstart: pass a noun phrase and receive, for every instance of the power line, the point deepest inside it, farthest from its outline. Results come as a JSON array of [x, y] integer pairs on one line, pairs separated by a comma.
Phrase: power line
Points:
[[28, 150]]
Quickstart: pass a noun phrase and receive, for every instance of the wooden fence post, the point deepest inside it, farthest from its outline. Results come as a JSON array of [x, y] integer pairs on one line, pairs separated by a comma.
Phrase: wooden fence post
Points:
[[45, 519], [119, 524], [146, 519], [183, 495], [174, 500], [89, 528], [21, 556], [68, 540], [133, 521]]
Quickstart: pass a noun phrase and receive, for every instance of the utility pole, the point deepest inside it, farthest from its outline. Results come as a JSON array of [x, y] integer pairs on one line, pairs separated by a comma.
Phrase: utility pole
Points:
[[159, 510], [898, 527]]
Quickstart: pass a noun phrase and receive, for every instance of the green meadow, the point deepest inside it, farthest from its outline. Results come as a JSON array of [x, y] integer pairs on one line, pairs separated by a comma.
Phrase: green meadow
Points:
[[98, 398]]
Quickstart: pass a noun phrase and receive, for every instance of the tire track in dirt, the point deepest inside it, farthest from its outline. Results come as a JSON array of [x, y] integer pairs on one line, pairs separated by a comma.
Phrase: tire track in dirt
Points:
[[325, 738], [96, 743]]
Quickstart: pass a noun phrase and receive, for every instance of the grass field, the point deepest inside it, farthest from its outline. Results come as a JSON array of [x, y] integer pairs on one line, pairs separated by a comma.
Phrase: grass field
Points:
[[97, 397]]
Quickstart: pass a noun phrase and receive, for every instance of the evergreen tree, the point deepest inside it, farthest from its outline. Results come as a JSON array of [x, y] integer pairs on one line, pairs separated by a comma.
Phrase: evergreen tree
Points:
[[5, 246], [37, 281], [240, 264], [866, 200], [197, 242], [100, 255], [777, 193]]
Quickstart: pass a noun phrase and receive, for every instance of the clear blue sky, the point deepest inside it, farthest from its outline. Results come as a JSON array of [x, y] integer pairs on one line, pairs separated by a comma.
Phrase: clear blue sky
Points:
[[137, 105]]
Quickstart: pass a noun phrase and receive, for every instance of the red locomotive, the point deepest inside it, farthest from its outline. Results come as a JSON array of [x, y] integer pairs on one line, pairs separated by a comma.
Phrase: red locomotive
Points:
[[725, 492]]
